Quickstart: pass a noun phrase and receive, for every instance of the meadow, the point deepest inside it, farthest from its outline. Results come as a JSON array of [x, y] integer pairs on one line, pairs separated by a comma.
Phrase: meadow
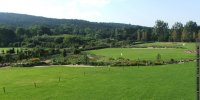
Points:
[[170, 45], [161, 82], [166, 82], [145, 53]]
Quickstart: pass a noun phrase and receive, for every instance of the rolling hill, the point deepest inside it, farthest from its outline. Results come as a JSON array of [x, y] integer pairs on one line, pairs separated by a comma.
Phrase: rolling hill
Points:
[[23, 20]]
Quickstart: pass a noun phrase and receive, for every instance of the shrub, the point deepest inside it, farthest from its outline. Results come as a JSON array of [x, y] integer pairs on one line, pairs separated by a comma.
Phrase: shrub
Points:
[[172, 61], [159, 63], [35, 60], [95, 63], [158, 57]]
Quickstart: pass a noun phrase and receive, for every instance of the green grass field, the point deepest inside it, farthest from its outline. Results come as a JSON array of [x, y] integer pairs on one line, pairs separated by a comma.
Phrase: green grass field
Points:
[[144, 53], [167, 82], [170, 44]]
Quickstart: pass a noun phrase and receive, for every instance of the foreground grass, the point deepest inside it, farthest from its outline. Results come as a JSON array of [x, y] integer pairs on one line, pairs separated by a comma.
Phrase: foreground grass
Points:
[[144, 53], [168, 82]]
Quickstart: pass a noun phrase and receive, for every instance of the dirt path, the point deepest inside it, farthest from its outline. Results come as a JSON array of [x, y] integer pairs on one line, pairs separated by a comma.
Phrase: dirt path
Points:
[[86, 66]]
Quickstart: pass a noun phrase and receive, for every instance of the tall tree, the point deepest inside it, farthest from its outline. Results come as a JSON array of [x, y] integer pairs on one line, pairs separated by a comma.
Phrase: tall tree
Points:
[[138, 35], [198, 35], [20, 31], [184, 36], [177, 29], [64, 53], [190, 30], [39, 30], [162, 30], [144, 35], [6, 36]]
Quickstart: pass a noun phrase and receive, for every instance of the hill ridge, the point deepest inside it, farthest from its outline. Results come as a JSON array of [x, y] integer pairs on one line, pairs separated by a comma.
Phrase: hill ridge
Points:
[[25, 20]]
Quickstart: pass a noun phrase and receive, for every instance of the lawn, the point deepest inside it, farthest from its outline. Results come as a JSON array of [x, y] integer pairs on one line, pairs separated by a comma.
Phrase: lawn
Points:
[[145, 53], [167, 82], [169, 44]]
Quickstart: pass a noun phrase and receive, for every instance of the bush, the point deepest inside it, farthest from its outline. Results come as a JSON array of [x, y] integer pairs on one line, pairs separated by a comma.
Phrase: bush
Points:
[[159, 63], [124, 62], [35, 60], [59, 61], [172, 61], [93, 63]]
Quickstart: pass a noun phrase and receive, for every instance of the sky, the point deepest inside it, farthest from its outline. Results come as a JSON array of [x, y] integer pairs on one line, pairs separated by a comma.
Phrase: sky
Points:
[[136, 12]]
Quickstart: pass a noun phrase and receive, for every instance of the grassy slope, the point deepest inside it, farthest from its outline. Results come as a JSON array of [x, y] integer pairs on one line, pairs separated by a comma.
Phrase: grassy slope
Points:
[[150, 53], [168, 44], [168, 82], [144, 53]]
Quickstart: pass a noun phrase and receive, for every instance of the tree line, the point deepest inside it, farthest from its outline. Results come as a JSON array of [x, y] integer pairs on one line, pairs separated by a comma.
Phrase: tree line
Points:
[[70, 36], [178, 33]]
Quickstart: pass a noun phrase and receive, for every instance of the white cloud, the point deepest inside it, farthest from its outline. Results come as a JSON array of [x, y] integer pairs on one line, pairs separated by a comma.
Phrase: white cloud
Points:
[[85, 9], [34, 7], [76, 9], [94, 3]]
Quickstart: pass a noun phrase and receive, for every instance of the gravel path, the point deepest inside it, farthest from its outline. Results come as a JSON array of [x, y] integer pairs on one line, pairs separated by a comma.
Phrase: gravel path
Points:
[[70, 66]]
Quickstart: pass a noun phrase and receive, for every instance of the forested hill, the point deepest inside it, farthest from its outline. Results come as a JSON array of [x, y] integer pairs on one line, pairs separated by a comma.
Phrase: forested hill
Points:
[[33, 31], [22, 20]]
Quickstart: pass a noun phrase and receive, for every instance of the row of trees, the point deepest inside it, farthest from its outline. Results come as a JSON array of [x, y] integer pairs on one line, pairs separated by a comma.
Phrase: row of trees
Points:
[[160, 32], [178, 33]]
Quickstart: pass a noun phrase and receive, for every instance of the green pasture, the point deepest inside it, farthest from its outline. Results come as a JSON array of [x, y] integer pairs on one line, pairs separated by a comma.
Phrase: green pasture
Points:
[[166, 82], [170, 44], [145, 53]]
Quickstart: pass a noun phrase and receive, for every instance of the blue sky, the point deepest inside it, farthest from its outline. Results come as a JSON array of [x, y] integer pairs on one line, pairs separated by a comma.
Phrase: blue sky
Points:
[[137, 12]]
